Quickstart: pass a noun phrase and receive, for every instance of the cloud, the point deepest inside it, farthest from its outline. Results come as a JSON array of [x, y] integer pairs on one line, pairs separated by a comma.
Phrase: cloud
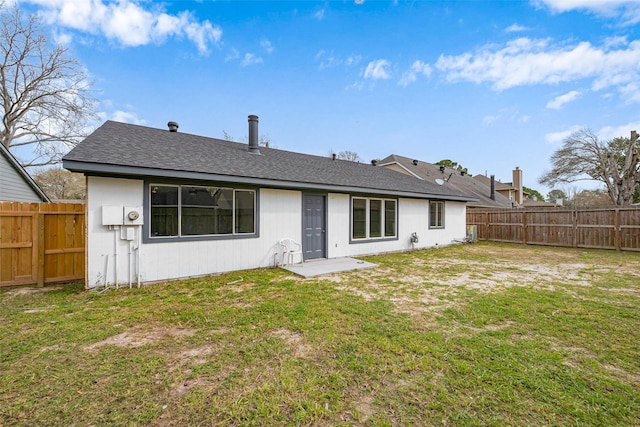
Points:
[[128, 22], [606, 133], [378, 69], [627, 12], [319, 15], [525, 62], [510, 115], [358, 1], [232, 55], [410, 76], [250, 59], [559, 101], [558, 137], [327, 59], [515, 28], [127, 117], [610, 132], [267, 46]]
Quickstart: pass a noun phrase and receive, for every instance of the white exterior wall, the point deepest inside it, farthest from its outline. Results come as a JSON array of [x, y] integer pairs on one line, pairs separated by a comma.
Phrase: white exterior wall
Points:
[[105, 249], [413, 217], [280, 216]]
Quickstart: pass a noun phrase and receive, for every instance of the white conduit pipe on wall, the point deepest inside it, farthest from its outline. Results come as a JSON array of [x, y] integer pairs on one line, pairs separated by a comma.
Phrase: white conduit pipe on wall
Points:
[[130, 261], [115, 256], [138, 256]]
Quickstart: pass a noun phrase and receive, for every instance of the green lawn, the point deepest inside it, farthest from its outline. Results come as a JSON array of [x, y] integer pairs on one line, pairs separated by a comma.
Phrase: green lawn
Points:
[[482, 334]]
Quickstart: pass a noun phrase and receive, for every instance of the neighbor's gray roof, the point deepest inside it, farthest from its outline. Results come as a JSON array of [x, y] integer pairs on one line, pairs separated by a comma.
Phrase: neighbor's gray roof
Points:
[[453, 180], [124, 149]]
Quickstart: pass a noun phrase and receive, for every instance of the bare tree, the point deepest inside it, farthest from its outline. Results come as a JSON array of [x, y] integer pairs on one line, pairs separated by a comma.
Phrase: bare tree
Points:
[[44, 93], [584, 157], [61, 184], [351, 156]]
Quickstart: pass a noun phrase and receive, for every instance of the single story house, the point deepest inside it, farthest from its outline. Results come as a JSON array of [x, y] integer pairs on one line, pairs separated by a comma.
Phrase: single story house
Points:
[[451, 178], [163, 204], [16, 185]]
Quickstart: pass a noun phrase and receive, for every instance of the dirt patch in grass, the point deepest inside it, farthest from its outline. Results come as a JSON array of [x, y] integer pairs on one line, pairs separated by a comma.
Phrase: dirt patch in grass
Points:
[[30, 291], [295, 343], [137, 337], [427, 284]]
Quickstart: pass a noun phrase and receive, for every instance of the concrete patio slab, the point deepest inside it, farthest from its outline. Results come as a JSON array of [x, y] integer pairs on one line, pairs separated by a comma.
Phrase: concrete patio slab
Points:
[[320, 267]]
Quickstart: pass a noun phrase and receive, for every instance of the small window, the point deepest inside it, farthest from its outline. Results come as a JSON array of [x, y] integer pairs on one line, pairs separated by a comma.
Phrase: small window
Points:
[[359, 218], [164, 210], [373, 218], [436, 214], [245, 209], [389, 218]]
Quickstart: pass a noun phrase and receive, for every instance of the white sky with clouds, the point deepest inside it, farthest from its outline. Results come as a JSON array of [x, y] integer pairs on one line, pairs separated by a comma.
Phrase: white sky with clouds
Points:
[[491, 85]]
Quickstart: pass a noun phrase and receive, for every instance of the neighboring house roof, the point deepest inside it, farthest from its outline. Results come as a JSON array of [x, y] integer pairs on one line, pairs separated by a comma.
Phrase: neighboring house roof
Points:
[[530, 203], [16, 184], [500, 186], [131, 150], [452, 178]]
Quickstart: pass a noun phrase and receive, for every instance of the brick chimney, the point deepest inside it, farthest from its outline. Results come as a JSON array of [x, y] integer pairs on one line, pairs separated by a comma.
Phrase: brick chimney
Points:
[[517, 184]]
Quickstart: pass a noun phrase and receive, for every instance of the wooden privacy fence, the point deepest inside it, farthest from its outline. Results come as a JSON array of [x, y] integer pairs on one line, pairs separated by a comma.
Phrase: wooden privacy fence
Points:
[[41, 243], [603, 228]]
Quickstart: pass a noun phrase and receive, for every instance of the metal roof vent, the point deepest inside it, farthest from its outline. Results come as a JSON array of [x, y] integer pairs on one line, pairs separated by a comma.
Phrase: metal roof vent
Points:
[[173, 126], [374, 162], [415, 163], [442, 169], [254, 146]]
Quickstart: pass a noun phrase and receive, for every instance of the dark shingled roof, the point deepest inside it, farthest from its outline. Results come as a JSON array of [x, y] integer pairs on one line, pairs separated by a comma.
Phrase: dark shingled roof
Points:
[[122, 149], [453, 180]]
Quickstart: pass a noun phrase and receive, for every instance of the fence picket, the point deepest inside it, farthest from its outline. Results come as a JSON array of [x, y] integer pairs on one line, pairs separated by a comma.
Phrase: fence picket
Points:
[[616, 228]]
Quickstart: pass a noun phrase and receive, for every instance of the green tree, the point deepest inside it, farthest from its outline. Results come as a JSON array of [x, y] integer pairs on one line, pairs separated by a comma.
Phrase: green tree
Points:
[[533, 194], [554, 195], [447, 163], [583, 156]]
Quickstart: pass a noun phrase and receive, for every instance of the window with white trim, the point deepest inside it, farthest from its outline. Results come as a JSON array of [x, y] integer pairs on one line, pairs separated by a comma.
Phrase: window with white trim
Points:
[[373, 218], [191, 210], [436, 214]]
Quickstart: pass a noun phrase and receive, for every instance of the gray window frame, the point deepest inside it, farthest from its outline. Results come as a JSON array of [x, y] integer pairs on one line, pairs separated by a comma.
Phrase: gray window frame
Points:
[[367, 221], [148, 238], [433, 222]]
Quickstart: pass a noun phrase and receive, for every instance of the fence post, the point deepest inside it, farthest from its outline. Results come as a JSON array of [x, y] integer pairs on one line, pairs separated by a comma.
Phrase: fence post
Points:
[[617, 237], [40, 248], [524, 227]]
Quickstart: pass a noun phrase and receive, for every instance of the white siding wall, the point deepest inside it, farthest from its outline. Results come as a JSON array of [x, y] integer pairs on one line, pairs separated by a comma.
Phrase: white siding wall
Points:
[[413, 217], [280, 216]]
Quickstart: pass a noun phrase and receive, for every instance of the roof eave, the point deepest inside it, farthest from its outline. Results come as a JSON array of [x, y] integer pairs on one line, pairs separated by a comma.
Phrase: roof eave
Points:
[[119, 170]]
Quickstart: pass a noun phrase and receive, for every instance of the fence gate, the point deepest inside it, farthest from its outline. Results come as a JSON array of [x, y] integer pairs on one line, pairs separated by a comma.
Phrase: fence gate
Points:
[[41, 243]]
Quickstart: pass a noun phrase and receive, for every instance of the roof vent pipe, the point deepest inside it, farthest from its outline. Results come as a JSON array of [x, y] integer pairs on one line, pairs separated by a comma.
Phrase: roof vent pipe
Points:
[[442, 169], [253, 135], [374, 162], [493, 187], [415, 163], [333, 155], [173, 126]]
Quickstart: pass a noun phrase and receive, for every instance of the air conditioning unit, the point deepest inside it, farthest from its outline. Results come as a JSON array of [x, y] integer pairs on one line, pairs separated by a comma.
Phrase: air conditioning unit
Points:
[[472, 233]]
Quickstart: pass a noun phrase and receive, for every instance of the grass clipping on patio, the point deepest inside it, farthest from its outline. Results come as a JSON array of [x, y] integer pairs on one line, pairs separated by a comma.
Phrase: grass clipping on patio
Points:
[[482, 334]]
